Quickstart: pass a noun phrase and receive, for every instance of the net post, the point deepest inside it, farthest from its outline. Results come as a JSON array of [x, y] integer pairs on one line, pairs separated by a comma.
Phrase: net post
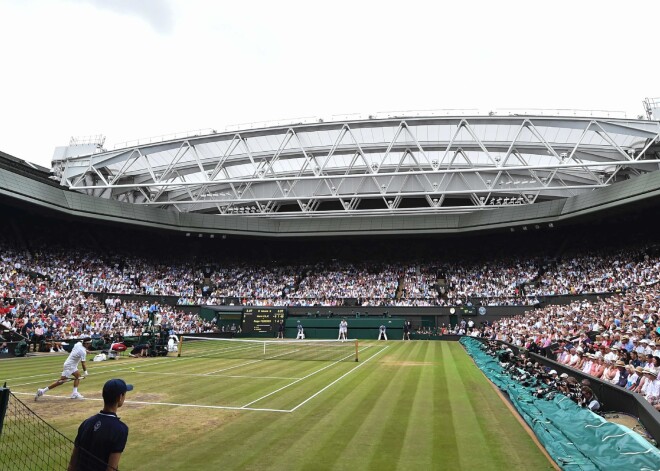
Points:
[[356, 350], [179, 347], [4, 401]]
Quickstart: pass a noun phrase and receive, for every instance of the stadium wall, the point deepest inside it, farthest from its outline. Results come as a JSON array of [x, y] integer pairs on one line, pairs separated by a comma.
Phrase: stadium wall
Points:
[[357, 328]]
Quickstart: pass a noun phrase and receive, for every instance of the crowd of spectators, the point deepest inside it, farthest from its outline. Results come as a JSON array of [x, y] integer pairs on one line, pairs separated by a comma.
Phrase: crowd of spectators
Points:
[[45, 298], [615, 339], [503, 281], [329, 283], [595, 273], [256, 284]]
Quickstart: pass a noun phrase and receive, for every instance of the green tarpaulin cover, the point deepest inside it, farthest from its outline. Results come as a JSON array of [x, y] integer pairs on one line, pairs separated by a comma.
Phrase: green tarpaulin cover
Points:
[[575, 438]]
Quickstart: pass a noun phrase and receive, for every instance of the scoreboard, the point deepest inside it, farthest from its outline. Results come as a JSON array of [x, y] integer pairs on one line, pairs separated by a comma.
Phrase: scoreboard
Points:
[[262, 320]]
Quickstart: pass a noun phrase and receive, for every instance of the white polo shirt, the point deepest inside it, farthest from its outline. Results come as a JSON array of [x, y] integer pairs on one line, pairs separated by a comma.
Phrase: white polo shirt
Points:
[[78, 354]]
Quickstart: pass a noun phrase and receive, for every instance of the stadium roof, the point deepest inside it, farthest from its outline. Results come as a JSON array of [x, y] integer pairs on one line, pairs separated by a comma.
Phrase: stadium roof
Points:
[[369, 167]]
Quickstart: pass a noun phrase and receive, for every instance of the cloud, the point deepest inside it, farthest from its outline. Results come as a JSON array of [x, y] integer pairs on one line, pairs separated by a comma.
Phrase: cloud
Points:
[[157, 13]]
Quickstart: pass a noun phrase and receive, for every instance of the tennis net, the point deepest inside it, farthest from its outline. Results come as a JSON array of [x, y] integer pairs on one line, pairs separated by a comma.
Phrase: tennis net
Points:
[[27, 442], [328, 350]]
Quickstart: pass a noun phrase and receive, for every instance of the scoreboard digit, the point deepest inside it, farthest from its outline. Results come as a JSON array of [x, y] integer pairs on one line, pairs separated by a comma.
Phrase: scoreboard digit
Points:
[[262, 320]]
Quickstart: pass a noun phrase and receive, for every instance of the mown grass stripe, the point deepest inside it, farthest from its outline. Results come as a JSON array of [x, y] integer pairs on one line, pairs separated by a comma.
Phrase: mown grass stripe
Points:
[[445, 446], [466, 426], [398, 410], [417, 443], [349, 437]]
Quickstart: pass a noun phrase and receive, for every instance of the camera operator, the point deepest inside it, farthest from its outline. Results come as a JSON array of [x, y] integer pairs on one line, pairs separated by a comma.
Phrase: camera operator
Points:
[[552, 379], [570, 387], [506, 356]]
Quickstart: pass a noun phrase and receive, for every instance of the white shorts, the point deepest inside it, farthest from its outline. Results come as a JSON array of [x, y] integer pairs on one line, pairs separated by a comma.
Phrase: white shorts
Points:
[[69, 370]]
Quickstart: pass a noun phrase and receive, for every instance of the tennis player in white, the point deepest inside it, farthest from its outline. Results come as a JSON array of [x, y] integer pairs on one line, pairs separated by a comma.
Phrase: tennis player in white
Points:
[[78, 355], [343, 330], [301, 332]]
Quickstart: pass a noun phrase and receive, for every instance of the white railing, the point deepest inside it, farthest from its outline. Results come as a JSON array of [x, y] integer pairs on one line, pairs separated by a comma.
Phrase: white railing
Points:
[[97, 140], [163, 138], [560, 112], [272, 123], [378, 115], [425, 113]]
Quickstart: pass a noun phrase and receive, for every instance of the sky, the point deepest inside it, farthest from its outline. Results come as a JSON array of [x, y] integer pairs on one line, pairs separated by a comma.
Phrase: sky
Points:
[[129, 69]]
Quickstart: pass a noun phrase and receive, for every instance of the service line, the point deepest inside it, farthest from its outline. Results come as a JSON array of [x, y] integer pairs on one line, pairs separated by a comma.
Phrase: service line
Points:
[[170, 404]]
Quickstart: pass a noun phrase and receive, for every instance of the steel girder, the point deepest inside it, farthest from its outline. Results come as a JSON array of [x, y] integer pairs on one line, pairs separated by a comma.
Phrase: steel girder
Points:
[[388, 166]]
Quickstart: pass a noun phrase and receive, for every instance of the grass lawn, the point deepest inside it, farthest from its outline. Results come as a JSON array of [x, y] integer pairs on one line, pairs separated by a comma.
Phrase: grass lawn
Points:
[[416, 405]]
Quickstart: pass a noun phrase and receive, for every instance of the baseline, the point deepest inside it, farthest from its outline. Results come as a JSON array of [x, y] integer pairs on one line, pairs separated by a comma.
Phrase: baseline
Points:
[[207, 375]]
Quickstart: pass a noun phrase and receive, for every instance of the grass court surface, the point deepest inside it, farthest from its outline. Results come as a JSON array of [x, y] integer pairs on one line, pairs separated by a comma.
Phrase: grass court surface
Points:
[[416, 405]]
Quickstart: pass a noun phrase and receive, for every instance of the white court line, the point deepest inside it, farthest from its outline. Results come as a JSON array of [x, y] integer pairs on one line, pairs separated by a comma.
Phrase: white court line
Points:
[[206, 375], [171, 404], [250, 362], [341, 377], [142, 363], [298, 380], [106, 368], [232, 367], [101, 368], [245, 407], [31, 355]]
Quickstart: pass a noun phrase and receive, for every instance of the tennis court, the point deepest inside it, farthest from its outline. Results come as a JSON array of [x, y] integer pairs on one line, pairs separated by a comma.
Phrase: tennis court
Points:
[[401, 406]]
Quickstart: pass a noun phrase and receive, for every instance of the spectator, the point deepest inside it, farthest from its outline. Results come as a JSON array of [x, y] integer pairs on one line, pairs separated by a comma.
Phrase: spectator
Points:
[[589, 399]]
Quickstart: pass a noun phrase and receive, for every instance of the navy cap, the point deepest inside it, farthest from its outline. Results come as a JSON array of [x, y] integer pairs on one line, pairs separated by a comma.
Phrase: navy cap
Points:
[[114, 388]]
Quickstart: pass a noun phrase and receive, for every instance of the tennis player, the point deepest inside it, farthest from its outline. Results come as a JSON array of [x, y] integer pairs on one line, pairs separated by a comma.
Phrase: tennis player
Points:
[[78, 355], [343, 330], [382, 335], [280, 330], [301, 332]]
